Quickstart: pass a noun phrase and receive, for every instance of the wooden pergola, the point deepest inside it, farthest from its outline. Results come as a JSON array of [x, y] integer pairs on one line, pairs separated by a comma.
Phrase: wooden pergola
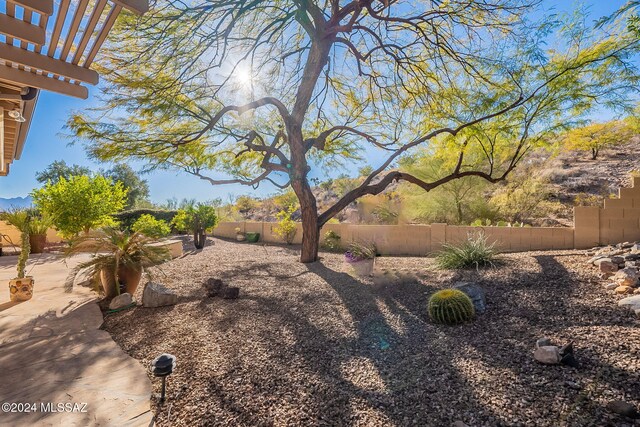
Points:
[[48, 45]]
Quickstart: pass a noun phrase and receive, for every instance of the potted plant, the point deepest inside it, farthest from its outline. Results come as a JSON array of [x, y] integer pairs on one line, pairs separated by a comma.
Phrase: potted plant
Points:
[[20, 287], [252, 237], [361, 258], [197, 219], [240, 237], [38, 227], [118, 261]]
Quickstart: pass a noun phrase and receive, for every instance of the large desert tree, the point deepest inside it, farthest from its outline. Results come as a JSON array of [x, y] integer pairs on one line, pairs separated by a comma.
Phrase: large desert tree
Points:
[[248, 91]]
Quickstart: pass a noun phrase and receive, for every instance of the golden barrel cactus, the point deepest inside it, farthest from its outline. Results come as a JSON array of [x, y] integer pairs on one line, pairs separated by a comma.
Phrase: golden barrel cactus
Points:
[[451, 307]]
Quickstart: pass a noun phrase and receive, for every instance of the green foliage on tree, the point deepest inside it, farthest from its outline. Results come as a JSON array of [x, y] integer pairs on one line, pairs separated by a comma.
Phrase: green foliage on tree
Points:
[[244, 92], [137, 188], [80, 203], [60, 169], [150, 226], [594, 137], [199, 217], [286, 228]]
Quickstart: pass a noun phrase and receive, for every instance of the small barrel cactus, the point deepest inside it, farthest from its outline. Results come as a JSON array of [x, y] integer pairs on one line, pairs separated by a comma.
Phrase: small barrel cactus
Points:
[[450, 306]]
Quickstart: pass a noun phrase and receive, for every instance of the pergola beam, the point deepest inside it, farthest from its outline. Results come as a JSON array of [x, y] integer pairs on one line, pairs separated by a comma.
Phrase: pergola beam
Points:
[[48, 64], [26, 78], [43, 7], [139, 7], [22, 30]]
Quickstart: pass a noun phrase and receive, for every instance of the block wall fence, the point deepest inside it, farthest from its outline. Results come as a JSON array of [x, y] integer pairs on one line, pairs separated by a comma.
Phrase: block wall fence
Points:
[[618, 221]]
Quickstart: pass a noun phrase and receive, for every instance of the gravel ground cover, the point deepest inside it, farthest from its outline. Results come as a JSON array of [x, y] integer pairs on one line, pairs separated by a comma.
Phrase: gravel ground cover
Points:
[[310, 345]]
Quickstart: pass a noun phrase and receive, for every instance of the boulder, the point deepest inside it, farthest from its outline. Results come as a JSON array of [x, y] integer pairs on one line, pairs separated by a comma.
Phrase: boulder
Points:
[[121, 301], [229, 292], [632, 303], [157, 295], [617, 260], [622, 290], [623, 408], [476, 293], [607, 266], [626, 277], [632, 257], [543, 342], [213, 286], [548, 354]]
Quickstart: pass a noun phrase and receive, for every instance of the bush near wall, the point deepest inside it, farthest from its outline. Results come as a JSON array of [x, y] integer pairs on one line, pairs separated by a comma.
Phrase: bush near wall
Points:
[[128, 218]]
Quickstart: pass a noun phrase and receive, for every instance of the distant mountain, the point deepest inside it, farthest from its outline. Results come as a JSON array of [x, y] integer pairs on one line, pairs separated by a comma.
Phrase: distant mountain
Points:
[[15, 202]]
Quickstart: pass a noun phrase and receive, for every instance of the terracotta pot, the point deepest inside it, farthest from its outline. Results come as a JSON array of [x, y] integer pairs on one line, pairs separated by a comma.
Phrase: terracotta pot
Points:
[[21, 289], [37, 243], [363, 268], [240, 237], [130, 277]]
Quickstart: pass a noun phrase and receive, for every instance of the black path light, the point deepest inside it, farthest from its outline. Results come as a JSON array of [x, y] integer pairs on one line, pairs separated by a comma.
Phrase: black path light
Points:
[[163, 366]]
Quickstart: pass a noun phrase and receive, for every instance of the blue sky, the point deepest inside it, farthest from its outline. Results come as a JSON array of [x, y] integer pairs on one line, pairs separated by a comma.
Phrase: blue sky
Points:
[[46, 143]]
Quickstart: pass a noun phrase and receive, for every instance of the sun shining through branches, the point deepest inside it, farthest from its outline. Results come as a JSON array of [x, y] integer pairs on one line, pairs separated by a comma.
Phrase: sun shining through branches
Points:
[[264, 91]]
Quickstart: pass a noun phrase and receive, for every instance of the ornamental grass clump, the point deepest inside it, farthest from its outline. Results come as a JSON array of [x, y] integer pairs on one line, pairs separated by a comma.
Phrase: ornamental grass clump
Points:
[[360, 252], [476, 252], [451, 307]]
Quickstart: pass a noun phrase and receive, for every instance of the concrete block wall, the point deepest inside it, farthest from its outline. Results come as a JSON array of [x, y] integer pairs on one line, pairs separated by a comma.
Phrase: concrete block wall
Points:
[[618, 221]]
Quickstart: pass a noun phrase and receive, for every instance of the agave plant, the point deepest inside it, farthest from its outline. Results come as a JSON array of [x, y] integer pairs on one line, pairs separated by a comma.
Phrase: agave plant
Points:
[[119, 257]]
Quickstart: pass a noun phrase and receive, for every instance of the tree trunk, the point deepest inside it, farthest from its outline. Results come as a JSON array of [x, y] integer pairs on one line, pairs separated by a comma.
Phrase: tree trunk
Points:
[[310, 224], [199, 238]]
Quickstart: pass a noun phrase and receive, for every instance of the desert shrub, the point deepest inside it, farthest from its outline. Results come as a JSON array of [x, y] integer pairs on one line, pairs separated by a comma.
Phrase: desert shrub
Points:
[[332, 241], [286, 228], [151, 227], [451, 307], [525, 197], [476, 251], [586, 199], [126, 219]]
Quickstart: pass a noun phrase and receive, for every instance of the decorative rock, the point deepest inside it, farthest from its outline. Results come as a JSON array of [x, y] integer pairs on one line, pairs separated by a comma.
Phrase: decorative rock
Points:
[[607, 266], [610, 286], [459, 424], [623, 408], [157, 295], [213, 286], [617, 260], [570, 360], [476, 293], [601, 259], [632, 303], [626, 277], [543, 342], [121, 301], [573, 385], [566, 349], [622, 290], [631, 257], [230, 292], [548, 354], [637, 312], [593, 260]]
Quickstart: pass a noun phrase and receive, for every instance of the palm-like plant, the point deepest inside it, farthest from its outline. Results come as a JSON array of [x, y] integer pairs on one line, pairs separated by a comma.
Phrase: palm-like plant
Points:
[[117, 255]]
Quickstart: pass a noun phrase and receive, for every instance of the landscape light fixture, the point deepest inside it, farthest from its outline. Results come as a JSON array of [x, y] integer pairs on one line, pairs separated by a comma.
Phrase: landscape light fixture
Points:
[[163, 366], [17, 116]]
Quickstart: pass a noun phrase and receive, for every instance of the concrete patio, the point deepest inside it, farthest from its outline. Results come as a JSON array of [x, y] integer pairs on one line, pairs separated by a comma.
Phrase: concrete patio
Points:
[[53, 352]]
